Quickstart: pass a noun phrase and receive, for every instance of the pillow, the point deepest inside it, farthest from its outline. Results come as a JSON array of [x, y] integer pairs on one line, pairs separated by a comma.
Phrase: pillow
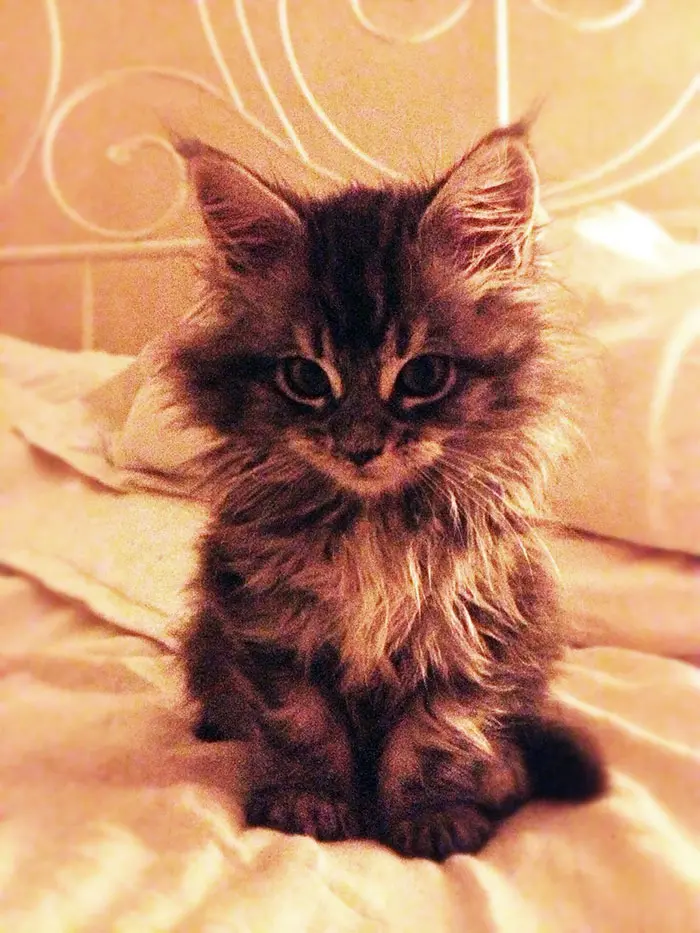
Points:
[[623, 595], [638, 478], [128, 556], [66, 520], [106, 416]]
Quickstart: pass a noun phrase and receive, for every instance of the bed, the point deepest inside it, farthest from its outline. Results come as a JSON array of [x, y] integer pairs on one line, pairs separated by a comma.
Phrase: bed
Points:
[[112, 816]]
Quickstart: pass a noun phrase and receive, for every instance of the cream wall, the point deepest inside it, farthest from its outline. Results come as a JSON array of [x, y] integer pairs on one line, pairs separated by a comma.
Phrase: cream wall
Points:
[[96, 220]]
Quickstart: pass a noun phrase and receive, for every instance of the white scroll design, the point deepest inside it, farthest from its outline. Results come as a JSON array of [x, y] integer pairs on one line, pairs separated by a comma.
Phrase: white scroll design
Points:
[[55, 63], [502, 62], [681, 105], [645, 142], [591, 23], [121, 152], [587, 187], [577, 189], [235, 95], [319, 112], [628, 184], [439, 29]]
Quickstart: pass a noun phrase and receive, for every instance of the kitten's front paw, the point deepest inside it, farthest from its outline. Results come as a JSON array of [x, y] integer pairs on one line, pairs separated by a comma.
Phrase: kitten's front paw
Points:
[[438, 832], [304, 812]]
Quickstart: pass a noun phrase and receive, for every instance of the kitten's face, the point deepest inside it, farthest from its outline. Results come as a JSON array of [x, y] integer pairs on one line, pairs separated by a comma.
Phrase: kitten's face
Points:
[[376, 336], [369, 417]]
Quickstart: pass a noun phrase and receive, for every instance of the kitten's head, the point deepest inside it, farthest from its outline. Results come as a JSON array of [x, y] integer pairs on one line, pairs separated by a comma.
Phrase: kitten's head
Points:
[[379, 338]]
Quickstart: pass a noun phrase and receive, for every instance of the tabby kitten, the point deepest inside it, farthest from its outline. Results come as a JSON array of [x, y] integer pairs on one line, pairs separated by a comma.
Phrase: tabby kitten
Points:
[[387, 374]]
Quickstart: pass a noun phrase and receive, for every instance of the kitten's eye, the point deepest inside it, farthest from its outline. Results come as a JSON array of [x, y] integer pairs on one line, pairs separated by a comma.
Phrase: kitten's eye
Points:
[[426, 378], [303, 380]]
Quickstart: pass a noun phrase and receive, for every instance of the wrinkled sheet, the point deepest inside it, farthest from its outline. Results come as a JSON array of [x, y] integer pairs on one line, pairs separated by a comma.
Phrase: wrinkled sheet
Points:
[[115, 819]]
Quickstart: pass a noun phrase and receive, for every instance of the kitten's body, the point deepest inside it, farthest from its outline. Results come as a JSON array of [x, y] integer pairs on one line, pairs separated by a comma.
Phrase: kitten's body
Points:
[[374, 609]]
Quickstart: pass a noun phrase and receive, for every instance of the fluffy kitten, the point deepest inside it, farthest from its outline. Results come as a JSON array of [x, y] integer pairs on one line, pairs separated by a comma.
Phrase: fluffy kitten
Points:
[[387, 373]]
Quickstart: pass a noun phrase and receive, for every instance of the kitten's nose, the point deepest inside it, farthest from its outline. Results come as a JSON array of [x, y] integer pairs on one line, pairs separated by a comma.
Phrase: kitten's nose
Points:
[[363, 456]]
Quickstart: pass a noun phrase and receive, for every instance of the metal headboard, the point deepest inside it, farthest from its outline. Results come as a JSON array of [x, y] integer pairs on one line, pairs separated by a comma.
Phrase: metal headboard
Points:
[[100, 243]]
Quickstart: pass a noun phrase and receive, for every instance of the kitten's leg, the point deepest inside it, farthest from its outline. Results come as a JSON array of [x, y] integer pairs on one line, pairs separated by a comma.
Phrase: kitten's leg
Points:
[[302, 766], [303, 781], [220, 679], [443, 785]]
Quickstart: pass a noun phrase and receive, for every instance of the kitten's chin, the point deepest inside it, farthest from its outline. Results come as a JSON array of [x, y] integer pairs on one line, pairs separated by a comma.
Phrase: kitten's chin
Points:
[[365, 482], [374, 479]]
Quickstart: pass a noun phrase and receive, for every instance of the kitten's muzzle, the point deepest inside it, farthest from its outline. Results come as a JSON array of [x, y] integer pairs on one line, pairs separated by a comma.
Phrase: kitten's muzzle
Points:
[[362, 456], [358, 434]]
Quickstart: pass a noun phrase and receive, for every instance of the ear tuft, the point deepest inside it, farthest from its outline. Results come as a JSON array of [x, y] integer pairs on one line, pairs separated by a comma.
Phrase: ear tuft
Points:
[[486, 210], [246, 218]]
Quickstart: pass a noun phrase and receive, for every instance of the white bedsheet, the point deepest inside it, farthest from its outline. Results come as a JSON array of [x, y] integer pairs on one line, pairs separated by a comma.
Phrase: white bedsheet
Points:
[[115, 819]]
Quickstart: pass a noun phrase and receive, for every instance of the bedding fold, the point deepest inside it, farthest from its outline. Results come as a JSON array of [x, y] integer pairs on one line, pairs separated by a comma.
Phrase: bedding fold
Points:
[[115, 819]]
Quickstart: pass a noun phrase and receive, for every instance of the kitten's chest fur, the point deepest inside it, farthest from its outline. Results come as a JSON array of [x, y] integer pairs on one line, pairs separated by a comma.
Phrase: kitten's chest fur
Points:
[[398, 603], [388, 605]]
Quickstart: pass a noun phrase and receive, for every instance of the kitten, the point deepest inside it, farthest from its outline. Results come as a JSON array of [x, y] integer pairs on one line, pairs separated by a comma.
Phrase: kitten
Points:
[[387, 372]]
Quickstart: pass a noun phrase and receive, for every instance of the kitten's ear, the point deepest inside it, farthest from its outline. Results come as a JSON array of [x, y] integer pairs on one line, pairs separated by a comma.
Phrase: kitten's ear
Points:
[[486, 210], [251, 223]]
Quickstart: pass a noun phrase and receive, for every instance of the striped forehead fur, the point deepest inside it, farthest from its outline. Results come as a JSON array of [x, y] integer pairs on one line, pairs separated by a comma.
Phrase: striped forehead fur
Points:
[[359, 260]]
